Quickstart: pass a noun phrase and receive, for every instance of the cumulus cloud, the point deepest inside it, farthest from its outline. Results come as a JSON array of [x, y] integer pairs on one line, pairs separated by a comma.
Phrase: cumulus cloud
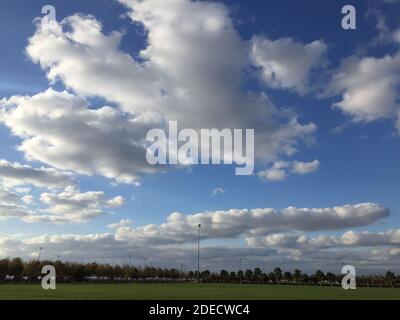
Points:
[[59, 129], [11, 205], [286, 63], [277, 172], [16, 174], [305, 167], [90, 62], [280, 170], [116, 202], [71, 205], [159, 87], [234, 223], [369, 87], [348, 239], [67, 206]]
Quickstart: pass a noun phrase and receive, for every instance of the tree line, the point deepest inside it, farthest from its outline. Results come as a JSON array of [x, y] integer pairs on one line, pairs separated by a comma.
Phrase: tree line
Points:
[[17, 270]]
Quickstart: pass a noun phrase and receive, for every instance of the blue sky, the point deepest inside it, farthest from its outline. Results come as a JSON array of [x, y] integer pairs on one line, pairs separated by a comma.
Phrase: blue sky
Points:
[[358, 159]]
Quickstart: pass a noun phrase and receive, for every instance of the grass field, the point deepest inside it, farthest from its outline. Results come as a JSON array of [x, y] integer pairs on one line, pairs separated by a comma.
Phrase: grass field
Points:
[[190, 292]]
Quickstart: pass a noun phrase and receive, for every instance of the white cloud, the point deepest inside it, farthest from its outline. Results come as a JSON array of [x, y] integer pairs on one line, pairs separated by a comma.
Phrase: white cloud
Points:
[[28, 199], [11, 205], [305, 167], [234, 223], [218, 191], [120, 224], [62, 130], [280, 170], [116, 202], [73, 206], [348, 239], [286, 63], [158, 88], [16, 174], [273, 175], [384, 35], [67, 206], [90, 62], [59, 129], [369, 87]]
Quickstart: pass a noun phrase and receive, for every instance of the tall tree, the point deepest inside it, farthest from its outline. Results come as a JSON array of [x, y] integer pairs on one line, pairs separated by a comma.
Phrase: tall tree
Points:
[[278, 274], [4, 268], [16, 267]]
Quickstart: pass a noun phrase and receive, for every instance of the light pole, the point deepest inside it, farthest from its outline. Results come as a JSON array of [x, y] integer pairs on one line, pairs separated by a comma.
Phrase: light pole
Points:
[[240, 270], [58, 258], [40, 253], [130, 258], [198, 255]]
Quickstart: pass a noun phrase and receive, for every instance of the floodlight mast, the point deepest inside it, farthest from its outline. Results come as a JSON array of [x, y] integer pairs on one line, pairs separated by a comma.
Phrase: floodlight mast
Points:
[[240, 270], [198, 255], [40, 252]]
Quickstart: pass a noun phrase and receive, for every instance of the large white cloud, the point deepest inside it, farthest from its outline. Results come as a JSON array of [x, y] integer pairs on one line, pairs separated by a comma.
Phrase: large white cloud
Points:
[[234, 223], [191, 71], [58, 128], [369, 87], [285, 63], [90, 62], [205, 43]]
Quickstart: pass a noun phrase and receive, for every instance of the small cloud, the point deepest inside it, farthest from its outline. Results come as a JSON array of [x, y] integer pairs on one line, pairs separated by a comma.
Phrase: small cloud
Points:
[[120, 224], [218, 191], [305, 167], [28, 199], [276, 173], [116, 202], [281, 170]]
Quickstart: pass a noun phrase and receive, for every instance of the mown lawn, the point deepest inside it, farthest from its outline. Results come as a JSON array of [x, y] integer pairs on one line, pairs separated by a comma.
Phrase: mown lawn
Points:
[[190, 292]]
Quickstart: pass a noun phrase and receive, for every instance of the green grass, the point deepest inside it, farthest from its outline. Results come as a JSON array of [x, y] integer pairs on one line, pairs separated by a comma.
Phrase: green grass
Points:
[[190, 292]]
